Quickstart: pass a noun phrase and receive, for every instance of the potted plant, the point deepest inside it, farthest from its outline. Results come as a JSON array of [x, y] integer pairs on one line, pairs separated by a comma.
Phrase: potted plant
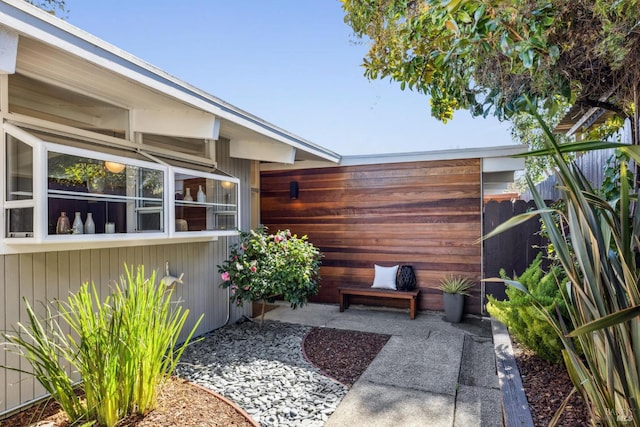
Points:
[[454, 289]]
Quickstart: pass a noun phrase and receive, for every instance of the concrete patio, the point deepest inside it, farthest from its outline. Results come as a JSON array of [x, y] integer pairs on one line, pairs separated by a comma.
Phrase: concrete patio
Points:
[[430, 373]]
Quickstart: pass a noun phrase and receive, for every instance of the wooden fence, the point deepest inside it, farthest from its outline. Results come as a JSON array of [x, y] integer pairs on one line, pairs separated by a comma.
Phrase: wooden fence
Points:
[[513, 250], [592, 165]]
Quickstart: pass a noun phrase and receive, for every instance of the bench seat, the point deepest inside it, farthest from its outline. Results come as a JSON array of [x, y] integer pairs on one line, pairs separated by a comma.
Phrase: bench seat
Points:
[[412, 296]]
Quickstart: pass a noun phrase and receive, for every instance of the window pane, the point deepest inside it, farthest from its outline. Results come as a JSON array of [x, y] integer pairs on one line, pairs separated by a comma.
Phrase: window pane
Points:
[[19, 170], [204, 204], [19, 222], [127, 197]]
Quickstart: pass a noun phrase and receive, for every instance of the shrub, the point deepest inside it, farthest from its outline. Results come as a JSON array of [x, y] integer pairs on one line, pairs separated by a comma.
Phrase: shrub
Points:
[[596, 242], [524, 320], [123, 348], [262, 266]]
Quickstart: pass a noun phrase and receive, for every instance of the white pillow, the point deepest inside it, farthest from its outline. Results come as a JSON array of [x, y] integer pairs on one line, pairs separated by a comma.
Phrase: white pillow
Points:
[[385, 277]]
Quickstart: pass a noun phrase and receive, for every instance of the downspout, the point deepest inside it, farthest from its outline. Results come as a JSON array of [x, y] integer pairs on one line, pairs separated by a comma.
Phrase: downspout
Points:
[[226, 256]]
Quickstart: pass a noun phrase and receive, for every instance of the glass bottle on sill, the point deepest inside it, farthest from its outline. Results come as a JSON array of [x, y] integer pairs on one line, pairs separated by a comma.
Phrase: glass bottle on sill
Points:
[[77, 226], [63, 225], [187, 195], [89, 225], [201, 196]]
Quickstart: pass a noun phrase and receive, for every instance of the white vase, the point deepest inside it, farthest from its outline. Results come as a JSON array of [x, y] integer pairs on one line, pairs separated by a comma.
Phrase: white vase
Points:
[[201, 196], [187, 195], [89, 225], [77, 227]]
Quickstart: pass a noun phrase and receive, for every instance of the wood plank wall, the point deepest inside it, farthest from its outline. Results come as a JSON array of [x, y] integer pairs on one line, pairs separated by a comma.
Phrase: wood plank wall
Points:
[[426, 214]]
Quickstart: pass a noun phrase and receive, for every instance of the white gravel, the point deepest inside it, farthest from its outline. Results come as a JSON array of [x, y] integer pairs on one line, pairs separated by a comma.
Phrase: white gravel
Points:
[[264, 371]]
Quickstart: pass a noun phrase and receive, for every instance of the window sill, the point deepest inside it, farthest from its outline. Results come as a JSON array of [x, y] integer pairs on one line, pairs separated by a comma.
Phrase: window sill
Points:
[[104, 241]]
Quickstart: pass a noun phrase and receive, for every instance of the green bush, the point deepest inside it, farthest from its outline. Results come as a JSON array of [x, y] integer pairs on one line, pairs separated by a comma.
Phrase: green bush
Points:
[[123, 348], [262, 266], [524, 320]]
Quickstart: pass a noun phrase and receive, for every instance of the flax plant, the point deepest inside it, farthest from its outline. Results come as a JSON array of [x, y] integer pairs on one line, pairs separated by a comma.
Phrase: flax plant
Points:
[[596, 243], [123, 348], [43, 344]]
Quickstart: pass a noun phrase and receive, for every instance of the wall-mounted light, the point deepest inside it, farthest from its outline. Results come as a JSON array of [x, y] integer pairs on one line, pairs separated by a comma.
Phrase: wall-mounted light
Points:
[[293, 190], [114, 167]]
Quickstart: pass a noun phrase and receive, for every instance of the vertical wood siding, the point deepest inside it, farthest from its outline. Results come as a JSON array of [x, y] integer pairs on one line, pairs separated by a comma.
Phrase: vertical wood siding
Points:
[[44, 277], [426, 214]]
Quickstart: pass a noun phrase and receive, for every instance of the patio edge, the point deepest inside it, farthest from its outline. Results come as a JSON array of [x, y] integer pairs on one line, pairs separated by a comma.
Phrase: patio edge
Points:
[[515, 407]]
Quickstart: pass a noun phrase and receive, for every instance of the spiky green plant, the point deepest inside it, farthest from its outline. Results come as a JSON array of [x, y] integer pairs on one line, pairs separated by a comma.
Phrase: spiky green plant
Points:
[[455, 285], [123, 348], [44, 345], [602, 295]]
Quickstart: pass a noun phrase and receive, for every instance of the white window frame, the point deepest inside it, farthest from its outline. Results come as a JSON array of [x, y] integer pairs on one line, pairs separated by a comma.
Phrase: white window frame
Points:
[[42, 241], [173, 171]]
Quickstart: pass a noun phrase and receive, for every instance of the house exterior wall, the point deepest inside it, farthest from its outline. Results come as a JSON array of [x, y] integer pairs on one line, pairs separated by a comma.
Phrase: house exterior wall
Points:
[[47, 276], [426, 214]]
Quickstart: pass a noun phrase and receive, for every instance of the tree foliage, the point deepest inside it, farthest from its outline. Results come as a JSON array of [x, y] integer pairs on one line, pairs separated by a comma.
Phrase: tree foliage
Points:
[[491, 55], [51, 6]]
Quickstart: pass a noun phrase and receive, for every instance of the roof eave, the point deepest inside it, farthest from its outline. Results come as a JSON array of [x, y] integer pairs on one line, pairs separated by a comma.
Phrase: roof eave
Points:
[[30, 20]]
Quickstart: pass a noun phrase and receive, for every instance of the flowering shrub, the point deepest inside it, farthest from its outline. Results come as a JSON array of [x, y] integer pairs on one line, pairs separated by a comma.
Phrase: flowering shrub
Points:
[[262, 266]]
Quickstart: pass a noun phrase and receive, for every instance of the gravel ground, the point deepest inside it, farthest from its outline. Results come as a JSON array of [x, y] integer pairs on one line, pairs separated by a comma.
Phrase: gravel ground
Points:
[[264, 371]]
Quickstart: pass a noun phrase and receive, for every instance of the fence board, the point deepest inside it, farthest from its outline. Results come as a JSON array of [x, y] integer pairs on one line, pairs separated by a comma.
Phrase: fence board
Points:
[[511, 251]]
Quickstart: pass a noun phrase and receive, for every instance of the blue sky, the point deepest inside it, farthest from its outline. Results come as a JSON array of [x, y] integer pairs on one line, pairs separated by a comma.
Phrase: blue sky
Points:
[[293, 63]]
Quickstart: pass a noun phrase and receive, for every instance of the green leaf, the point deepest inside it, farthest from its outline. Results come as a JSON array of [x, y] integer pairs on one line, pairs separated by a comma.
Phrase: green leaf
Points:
[[515, 221], [607, 321]]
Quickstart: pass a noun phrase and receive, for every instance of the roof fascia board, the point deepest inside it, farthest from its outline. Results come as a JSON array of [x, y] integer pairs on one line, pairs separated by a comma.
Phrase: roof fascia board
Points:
[[501, 154], [28, 19], [468, 153]]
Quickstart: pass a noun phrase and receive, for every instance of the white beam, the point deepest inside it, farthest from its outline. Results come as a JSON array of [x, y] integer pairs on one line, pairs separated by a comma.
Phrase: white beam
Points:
[[187, 124], [500, 164], [8, 50], [267, 151]]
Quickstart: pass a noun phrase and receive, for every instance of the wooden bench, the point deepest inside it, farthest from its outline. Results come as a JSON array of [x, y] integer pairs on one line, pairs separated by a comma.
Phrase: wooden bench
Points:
[[412, 296]]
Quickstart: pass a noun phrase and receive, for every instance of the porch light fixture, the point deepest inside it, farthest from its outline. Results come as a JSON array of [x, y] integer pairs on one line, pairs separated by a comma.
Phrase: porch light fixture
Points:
[[114, 167], [293, 190]]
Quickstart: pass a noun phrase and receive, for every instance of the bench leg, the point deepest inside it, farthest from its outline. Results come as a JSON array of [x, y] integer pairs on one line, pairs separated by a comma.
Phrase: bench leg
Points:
[[412, 308], [342, 304]]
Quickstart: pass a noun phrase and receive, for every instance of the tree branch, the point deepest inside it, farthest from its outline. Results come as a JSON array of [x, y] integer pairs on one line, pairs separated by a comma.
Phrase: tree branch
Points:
[[605, 105]]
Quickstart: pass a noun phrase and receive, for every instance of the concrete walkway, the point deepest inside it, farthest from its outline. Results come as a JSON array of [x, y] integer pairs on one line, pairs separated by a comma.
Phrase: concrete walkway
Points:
[[430, 372]]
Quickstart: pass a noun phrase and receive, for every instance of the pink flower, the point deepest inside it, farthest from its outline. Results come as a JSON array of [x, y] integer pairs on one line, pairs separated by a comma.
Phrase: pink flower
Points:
[[278, 238], [253, 269], [243, 247], [246, 288], [225, 276]]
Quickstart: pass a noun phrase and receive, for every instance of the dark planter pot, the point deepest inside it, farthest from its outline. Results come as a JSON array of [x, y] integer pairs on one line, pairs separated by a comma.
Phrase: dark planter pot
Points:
[[453, 307]]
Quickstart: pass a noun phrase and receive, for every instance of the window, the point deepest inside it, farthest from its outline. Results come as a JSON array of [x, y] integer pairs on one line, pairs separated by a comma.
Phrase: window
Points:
[[19, 191], [204, 202], [118, 195], [50, 185]]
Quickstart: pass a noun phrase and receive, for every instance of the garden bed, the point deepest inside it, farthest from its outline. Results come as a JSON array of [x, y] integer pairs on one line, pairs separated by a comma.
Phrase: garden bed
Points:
[[546, 386]]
